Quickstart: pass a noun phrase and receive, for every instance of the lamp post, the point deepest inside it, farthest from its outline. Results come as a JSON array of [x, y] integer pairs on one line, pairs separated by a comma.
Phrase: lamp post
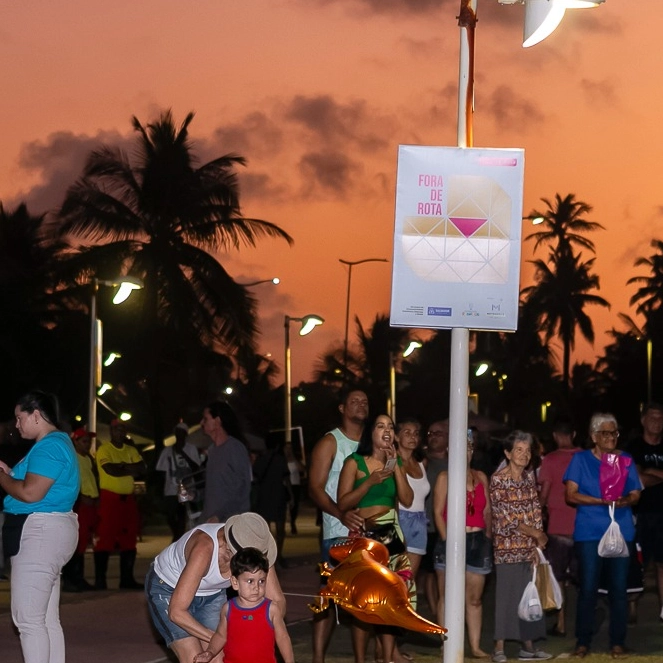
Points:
[[308, 324], [127, 285], [276, 280], [549, 12], [351, 264], [391, 404]]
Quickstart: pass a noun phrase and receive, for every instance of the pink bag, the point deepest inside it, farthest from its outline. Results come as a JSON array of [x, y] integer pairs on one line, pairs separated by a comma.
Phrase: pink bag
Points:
[[612, 475]]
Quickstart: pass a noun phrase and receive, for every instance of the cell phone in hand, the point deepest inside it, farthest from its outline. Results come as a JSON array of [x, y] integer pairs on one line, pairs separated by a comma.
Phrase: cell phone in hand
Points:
[[390, 464]]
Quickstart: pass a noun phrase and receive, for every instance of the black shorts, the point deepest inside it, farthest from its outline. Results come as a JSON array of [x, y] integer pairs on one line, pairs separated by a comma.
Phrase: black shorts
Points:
[[649, 534], [560, 552], [428, 560]]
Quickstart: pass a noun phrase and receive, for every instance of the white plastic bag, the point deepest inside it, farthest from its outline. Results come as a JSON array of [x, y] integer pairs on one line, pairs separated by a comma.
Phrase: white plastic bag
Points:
[[529, 608], [612, 543], [550, 593]]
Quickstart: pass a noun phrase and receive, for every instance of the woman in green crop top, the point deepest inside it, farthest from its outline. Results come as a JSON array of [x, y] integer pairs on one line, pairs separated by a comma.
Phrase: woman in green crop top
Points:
[[373, 481]]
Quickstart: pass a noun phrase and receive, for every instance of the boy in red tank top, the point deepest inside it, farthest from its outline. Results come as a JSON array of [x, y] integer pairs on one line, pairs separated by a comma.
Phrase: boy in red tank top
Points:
[[250, 624]]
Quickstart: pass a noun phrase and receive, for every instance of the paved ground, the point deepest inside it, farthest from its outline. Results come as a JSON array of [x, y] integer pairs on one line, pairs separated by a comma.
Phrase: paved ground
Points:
[[113, 626]]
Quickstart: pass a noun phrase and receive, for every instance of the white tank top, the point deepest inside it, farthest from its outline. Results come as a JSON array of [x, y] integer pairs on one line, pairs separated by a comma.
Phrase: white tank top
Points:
[[169, 563], [333, 528], [420, 488]]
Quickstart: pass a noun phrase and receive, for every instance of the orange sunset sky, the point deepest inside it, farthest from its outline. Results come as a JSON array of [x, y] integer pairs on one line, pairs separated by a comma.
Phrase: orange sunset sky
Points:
[[317, 95]]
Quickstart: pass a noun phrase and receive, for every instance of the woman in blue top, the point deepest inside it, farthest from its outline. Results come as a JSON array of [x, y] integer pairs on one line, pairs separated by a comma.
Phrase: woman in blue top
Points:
[[41, 490], [592, 520]]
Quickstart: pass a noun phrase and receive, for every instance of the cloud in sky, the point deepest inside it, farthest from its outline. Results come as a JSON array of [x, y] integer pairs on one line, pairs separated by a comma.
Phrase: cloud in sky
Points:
[[599, 92], [57, 162], [509, 109], [415, 7]]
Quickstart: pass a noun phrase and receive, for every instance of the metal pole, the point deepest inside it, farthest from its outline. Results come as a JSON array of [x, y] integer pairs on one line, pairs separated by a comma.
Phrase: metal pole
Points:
[[347, 320], [351, 264], [94, 353], [288, 384], [649, 359], [454, 603], [392, 387]]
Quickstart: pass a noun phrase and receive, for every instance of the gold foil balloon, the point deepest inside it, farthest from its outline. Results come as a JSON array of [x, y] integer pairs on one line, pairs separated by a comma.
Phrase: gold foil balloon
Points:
[[363, 585]]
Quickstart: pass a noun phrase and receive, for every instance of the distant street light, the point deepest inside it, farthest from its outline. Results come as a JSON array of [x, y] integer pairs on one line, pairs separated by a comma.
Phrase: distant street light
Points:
[[127, 285], [351, 264], [276, 280], [308, 324], [111, 358], [481, 369]]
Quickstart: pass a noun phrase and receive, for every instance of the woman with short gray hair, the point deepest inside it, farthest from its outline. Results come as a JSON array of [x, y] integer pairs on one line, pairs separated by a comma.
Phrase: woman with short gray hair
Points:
[[517, 532], [583, 490]]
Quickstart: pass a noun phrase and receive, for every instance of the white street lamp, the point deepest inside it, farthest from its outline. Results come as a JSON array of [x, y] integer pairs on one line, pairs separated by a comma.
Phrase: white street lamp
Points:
[[351, 264], [308, 324], [543, 16], [276, 280], [127, 285]]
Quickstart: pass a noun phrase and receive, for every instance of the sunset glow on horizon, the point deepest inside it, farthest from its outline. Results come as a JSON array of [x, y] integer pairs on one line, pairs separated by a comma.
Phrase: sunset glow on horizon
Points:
[[317, 95]]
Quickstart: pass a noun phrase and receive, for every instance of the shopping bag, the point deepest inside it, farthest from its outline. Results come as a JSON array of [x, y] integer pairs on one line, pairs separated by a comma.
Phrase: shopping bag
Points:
[[613, 472], [612, 543], [529, 608], [550, 593]]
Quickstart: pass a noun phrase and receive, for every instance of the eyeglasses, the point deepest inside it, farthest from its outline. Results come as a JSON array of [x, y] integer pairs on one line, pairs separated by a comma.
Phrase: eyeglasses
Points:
[[608, 433]]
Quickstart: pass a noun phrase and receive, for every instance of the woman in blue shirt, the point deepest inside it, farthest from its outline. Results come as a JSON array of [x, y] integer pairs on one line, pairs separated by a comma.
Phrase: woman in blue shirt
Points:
[[41, 530], [583, 491]]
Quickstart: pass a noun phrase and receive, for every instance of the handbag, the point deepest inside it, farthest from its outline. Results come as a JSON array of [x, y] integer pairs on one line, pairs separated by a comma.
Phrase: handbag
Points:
[[12, 529], [529, 608], [387, 535], [612, 543], [185, 494], [550, 593]]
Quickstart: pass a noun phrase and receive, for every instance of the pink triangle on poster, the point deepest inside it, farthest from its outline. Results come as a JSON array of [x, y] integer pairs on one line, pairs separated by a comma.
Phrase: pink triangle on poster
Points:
[[467, 226]]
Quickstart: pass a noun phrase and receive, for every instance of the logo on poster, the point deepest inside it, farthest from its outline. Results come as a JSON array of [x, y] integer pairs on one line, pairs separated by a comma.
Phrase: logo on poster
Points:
[[440, 311]]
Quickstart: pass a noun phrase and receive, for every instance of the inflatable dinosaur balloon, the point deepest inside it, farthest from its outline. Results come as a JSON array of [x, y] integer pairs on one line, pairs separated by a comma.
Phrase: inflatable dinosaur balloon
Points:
[[367, 588]]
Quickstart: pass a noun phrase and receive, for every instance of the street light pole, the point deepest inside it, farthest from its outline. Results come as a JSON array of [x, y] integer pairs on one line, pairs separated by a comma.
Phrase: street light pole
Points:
[[351, 264], [391, 404], [308, 324], [535, 10], [95, 356], [127, 285]]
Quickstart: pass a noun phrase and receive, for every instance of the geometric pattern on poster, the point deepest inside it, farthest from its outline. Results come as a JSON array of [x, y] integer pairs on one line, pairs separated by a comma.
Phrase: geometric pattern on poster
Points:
[[470, 243]]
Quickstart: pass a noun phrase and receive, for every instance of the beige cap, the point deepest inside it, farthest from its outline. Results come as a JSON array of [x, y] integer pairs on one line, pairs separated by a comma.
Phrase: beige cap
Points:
[[249, 530]]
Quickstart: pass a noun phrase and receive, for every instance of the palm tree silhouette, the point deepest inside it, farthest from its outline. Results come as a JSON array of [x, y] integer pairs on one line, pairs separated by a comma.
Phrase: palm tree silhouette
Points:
[[649, 296], [562, 224], [562, 290], [162, 218]]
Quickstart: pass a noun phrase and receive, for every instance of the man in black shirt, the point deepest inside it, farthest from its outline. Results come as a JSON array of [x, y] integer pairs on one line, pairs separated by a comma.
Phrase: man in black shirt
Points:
[[647, 451]]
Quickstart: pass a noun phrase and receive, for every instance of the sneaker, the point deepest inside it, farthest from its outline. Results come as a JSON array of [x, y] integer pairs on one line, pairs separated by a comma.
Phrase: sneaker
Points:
[[498, 657], [536, 655]]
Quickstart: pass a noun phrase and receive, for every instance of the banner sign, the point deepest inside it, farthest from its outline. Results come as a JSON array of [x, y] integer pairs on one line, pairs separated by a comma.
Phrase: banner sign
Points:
[[457, 238]]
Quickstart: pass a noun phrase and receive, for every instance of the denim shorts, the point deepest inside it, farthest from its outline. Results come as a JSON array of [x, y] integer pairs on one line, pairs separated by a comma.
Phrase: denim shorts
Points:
[[414, 525], [204, 609], [478, 553]]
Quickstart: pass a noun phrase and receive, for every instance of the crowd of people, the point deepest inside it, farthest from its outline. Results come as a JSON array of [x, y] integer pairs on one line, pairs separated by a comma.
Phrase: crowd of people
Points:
[[369, 477]]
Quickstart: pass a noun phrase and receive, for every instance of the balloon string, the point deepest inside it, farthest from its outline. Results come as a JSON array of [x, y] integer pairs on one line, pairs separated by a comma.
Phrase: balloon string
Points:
[[308, 596]]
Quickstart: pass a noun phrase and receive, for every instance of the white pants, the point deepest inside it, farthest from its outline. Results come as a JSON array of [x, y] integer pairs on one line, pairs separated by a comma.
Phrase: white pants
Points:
[[48, 541]]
